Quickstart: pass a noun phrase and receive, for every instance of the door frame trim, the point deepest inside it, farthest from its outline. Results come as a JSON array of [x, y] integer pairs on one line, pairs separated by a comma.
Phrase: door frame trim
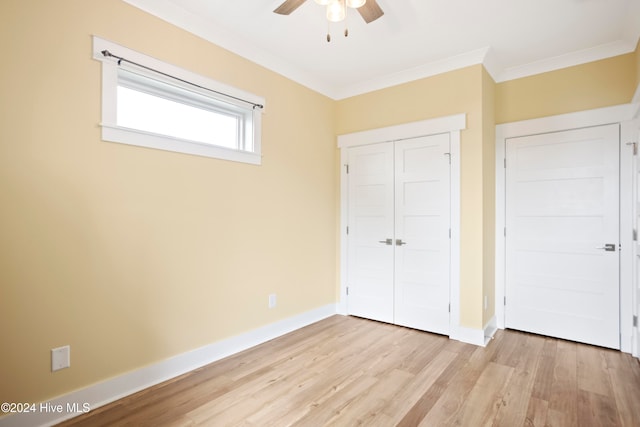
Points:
[[633, 135], [452, 124], [620, 114]]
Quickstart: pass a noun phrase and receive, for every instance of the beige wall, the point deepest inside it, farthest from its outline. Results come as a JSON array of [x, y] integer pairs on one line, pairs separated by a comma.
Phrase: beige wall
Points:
[[489, 196], [455, 92], [133, 255], [596, 84]]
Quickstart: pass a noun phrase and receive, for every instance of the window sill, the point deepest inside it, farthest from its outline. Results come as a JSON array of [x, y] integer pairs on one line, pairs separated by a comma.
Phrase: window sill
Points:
[[135, 137]]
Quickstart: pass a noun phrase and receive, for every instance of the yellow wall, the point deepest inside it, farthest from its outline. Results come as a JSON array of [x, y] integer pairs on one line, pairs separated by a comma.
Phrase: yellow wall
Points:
[[489, 196], [596, 84], [455, 92], [132, 255]]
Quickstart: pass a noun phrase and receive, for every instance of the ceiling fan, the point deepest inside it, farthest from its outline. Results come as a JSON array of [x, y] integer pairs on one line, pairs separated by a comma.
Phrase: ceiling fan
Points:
[[368, 9]]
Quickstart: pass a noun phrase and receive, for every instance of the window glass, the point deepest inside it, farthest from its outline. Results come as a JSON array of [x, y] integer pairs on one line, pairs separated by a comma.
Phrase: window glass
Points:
[[150, 113]]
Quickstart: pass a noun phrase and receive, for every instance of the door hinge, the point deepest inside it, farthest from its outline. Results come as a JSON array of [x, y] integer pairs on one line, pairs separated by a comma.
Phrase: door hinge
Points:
[[347, 291], [347, 168], [635, 321], [449, 156], [505, 162], [449, 233], [635, 147], [505, 300], [505, 232], [347, 229], [635, 235], [449, 307]]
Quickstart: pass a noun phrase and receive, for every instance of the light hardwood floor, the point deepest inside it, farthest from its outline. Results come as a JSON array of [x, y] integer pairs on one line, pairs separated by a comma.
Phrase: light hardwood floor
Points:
[[346, 371]]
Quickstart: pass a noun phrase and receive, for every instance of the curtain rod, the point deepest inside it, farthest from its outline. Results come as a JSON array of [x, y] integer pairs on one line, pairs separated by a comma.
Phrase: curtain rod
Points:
[[106, 53]]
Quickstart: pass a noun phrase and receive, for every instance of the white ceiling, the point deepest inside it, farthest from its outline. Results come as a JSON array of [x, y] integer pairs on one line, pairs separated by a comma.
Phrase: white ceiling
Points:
[[414, 39]]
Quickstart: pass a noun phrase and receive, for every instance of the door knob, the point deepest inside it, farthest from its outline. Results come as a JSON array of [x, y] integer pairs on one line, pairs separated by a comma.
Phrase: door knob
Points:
[[386, 241], [609, 247], [399, 242]]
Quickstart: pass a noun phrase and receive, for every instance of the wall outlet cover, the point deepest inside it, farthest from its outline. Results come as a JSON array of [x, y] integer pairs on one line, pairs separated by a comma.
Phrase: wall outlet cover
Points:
[[60, 358]]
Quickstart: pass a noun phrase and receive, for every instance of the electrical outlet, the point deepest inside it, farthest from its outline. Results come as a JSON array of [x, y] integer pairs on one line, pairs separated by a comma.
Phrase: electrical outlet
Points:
[[272, 300], [60, 358]]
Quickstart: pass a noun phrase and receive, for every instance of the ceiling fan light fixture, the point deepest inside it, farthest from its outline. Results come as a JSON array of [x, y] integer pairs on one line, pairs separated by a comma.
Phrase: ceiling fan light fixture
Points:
[[354, 4], [336, 10]]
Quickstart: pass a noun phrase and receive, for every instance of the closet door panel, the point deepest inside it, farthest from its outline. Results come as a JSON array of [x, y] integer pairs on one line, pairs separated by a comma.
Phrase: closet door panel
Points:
[[422, 215], [370, 249]]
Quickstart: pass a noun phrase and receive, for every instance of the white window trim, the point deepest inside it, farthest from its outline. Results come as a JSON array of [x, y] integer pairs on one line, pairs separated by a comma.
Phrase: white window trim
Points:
[[114, 133]]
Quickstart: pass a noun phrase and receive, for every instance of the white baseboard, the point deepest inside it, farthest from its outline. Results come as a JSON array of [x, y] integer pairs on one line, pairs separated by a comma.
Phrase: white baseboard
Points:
[[479, 337], [490, 329], [468, 335], [105, 392]]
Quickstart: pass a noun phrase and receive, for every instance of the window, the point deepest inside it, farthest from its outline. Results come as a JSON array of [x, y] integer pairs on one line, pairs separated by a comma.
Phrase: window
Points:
[[153, 104]]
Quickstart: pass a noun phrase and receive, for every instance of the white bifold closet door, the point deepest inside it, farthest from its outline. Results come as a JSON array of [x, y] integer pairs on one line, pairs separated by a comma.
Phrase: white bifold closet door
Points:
[[398, 243], [563, 260], [370, 251]]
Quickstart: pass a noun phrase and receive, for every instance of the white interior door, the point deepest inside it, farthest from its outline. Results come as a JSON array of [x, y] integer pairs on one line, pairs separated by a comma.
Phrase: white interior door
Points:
[[370, 239], [422, 221], [562, 216], [398, 252]]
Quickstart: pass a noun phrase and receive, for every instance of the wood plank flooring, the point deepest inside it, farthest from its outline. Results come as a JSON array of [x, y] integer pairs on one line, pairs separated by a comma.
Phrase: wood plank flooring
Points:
[[346, 371]]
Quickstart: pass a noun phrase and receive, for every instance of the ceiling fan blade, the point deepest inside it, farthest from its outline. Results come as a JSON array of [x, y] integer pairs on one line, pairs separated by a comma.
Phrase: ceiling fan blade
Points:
[[288, 6], [370, 11]]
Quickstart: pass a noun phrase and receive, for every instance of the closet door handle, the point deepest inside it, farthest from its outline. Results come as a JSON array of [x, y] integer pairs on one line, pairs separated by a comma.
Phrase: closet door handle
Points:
[[399, 242], [386, 241], [609, 247]]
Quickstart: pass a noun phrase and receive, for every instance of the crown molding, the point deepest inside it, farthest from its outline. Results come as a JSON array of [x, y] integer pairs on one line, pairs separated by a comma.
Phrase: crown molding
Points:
[[416, 73], [169, 12], [596, 53]]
